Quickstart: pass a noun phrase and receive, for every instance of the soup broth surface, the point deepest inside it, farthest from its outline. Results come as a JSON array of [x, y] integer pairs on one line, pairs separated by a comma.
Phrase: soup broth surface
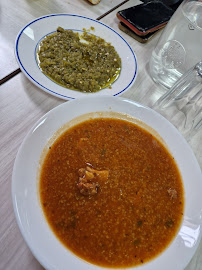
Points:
[[111, 192]]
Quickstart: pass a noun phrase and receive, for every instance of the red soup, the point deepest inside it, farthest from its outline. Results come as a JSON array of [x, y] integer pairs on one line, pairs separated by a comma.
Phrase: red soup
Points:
[[111, 192]]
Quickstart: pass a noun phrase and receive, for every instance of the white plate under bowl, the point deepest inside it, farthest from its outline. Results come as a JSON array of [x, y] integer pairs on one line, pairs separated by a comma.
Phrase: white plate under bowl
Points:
[[34, 228], [30, 36]]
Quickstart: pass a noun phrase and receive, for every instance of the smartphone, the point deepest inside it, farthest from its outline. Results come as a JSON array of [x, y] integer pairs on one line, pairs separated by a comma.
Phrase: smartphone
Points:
[[141, 39], [146, 18]]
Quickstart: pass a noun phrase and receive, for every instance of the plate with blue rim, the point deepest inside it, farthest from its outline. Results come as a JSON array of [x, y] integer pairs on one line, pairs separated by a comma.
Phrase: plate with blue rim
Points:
[[28, 40]]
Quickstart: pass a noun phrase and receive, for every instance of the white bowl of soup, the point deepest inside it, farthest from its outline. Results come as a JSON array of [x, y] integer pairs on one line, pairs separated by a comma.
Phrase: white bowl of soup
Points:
[[106, 183]]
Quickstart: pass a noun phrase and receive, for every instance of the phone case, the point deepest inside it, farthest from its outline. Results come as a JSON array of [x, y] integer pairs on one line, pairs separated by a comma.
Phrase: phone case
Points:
[[141, 39], [146, 18]]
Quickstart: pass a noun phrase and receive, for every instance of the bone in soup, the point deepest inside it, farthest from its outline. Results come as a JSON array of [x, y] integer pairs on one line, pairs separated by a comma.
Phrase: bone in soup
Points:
[[111, 192]]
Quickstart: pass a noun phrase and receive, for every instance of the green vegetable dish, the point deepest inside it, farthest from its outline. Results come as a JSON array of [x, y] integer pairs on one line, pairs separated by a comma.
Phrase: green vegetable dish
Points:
[[80, 62]]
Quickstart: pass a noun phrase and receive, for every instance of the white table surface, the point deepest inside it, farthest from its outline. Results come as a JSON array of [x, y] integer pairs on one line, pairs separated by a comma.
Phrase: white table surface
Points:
[[22, 104], [14, 15]]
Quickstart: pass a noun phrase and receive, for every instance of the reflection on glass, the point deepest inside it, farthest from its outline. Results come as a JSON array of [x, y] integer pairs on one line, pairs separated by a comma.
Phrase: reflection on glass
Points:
[[182, 105]]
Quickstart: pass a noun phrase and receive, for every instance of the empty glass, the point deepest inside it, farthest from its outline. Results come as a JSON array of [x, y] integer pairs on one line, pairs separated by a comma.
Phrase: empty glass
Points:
[[182, 104], [179, 46]]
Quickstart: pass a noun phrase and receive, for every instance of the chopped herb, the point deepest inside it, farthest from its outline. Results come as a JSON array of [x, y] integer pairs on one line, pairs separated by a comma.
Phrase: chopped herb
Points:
[[169, 223], [139, 223], [136, 242]]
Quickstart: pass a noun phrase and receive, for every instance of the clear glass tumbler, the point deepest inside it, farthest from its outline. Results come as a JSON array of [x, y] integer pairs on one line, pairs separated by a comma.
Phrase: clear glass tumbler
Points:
[[182, 104], [179, 46]]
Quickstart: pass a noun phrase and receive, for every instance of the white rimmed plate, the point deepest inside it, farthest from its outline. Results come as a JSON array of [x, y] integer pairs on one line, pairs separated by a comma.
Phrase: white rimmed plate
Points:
[[34, 228], [29, 37]]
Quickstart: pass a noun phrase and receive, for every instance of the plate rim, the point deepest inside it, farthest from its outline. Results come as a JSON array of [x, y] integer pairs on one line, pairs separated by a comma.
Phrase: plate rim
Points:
[[47, 90]]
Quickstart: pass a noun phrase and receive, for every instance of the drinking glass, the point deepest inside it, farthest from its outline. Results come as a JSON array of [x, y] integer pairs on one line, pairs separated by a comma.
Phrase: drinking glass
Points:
[[182, 104], [179, 46]]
